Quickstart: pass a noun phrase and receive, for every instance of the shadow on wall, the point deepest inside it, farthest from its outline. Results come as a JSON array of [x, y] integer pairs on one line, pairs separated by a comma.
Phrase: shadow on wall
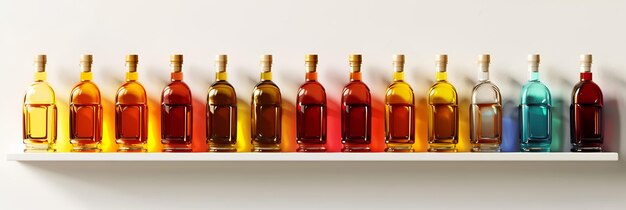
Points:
[[420, 90], [510, 117], [612, 117], [464, 119]]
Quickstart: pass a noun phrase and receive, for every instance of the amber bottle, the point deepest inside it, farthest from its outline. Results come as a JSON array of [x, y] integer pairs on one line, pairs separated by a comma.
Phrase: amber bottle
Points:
[[39, 112], [176, 117], [311, 111], [85, 111], [399, 111], [266, 111], [221, 126], [356, 111], [131, 111]]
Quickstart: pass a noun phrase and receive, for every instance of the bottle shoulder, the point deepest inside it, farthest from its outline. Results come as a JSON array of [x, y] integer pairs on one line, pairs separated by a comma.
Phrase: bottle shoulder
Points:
[[222, 92], [266, 92], [399, 92], [486, 93], [39, 93], [131, 92], [311, 92], [356, 92], [85, 92], [535, 92], [442, 92], [587, 92], [177, 92]]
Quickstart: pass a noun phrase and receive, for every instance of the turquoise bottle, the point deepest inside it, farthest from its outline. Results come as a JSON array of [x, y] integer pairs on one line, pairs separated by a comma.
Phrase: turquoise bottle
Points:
[[535, 119]]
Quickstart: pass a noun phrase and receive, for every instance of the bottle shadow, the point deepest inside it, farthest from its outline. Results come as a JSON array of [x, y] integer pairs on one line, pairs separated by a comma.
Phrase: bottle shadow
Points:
[[510, 119], [420, 92], [612, 105]]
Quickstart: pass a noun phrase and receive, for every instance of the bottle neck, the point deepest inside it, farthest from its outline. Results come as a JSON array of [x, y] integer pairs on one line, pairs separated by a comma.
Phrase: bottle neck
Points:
[[585, 76], [442, 76], [40, 72], [483, 73], [355, 76], [311, 76], [86, 76], [131, 72], [176, 76], [221, 76], [398, 76], [534, 76], [266, 76]]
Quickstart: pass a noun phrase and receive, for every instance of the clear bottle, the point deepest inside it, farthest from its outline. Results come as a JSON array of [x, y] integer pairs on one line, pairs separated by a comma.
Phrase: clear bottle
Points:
[[39, 112], [311, 111], [221, 127], [535, 116], [485, 112], [399, 111], [587, 112], [85, 111], [266, 111], [131, 111], [176, 109], [443, 115], [356, 111]]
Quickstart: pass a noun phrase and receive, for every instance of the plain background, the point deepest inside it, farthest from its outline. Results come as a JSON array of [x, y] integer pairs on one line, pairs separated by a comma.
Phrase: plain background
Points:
[[509, 30]]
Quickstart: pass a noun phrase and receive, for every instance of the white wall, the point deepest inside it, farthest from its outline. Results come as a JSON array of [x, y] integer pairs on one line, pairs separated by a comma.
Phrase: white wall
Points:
[[559, 30]]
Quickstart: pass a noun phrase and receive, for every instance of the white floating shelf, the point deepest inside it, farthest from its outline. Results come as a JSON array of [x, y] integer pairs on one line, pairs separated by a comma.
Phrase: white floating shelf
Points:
[[508, 156]]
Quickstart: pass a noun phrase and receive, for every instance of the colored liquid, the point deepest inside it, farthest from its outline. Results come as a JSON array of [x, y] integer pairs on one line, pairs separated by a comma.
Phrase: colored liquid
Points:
[[587, 116], [486, 118], [443, 123], [176, 117], [39, 116], [222, 117], [535, 117], [356, 117], [131, 117], [311, 117], [85, 117], [399, 116], [266, 117]]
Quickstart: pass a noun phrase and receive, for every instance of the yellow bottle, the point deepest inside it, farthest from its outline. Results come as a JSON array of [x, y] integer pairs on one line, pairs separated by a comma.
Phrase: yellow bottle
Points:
[[399, 111], [443, 117], [39, 112]]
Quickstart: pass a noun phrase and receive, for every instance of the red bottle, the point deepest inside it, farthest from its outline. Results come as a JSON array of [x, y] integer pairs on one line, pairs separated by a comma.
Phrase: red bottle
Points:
[[311, 111], [586, 112], [176, 111], [356, 111]]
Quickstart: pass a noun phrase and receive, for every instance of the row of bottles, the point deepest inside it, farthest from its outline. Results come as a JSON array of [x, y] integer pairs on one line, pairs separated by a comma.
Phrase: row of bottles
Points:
[[131, 111]]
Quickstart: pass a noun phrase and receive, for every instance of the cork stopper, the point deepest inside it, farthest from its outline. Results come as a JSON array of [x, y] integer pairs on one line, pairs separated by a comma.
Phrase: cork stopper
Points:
[[176, 58], [176, 61], [266, 63], [131, 62], [483, 61], [441, 61], [40, 62], [220, 62], [533, 62], [85, 62], [585, 62], [355, 62], [310, 61], [398, 62]]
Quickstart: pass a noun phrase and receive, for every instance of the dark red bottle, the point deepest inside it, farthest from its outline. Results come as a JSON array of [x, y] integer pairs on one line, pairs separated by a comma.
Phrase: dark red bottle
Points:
[[586, 112], [176, 111], [311, 111], [356, 111]]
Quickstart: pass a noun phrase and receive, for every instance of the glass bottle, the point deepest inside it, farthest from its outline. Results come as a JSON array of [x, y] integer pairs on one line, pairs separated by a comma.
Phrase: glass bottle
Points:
[[535, 116], [221, 126], [443, 115], [176, 117], [266, 111], [39, 112], [311, 111], [586, 112], [356, 111], [85, 111], [485, 112], [399, 111], [131, 111]]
